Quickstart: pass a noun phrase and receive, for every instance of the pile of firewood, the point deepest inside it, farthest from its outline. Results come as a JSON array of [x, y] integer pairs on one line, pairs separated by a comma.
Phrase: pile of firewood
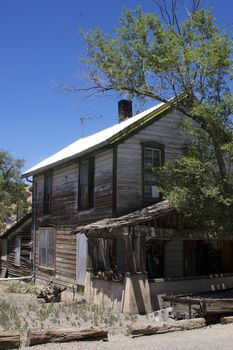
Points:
[[51, 293]]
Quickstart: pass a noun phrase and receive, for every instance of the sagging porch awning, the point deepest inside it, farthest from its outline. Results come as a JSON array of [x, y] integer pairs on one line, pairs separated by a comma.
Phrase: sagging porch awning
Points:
[[116, 226], [159, 221]]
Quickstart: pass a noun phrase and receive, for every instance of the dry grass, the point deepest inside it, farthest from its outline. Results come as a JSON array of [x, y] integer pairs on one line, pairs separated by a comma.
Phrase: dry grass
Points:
[[20, 309], [22, 288]]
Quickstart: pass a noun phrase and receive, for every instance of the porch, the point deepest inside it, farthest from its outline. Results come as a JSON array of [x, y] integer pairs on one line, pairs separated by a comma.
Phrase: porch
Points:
[[136, 259]]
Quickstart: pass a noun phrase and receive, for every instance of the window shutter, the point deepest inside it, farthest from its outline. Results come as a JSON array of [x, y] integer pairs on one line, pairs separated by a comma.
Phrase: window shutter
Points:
[[47, 193], [91, 177]]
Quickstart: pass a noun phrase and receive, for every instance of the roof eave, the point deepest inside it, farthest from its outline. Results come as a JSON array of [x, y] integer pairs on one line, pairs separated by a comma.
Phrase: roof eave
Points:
[[65, 160], [22, 221]]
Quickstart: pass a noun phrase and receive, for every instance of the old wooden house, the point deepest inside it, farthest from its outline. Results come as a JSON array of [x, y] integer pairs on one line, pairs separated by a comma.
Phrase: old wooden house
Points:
[[109, 175], [16, 248]]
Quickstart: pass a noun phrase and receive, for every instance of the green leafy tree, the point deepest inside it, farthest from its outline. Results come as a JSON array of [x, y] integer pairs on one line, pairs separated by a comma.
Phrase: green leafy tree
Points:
[[13, 191], [157, 57]]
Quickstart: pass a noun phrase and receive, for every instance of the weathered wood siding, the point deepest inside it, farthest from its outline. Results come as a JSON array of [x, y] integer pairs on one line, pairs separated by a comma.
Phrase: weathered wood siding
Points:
[[64, 197], [65, 194], [64, 272], [25, 267], [129, 158], [65, 215], [102, 189]]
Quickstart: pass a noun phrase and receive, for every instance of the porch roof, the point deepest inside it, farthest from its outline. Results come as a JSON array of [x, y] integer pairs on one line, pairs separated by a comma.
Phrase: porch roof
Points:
[[118, 225]]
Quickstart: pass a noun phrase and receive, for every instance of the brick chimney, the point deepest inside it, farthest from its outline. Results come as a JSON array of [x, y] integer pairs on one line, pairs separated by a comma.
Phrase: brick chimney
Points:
[[125, 110]]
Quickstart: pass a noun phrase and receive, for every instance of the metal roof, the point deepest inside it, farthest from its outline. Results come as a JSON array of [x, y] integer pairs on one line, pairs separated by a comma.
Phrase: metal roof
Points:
[[102, 138]]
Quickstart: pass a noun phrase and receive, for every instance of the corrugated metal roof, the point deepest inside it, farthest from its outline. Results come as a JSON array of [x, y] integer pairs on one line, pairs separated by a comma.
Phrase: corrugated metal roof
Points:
[[97, 140]]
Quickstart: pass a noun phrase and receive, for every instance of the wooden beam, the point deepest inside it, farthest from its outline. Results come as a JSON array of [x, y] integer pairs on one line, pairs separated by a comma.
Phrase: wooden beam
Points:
[[61, 335], [137, 329], [9, 340]]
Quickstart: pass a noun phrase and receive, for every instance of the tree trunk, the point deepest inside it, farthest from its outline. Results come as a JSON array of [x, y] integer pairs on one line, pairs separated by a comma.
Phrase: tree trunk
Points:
[[9, 340], [164, 327], [61, 335]]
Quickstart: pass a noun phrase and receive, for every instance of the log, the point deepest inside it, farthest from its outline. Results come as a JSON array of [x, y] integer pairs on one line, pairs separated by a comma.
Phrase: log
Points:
[[227, 319], [9, 340], [165, 327], [62, 335]]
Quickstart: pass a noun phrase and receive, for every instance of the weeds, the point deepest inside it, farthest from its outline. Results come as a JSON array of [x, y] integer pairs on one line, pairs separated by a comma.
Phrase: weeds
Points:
[[18, 312], [9, 316], [25, 288]]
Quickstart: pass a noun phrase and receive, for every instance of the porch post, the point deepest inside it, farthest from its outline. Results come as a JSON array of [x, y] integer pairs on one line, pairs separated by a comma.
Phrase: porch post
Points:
[[137, 297], [90, 254]]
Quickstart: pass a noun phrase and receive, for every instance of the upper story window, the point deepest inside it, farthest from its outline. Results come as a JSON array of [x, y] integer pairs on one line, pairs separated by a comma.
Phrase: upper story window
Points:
[[86, 184], [153, 157], [47, 247], [47, 193]]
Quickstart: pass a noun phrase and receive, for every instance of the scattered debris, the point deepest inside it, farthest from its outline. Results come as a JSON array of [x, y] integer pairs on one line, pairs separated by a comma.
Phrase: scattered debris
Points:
[[51, 294], [204, 306], [164, 314], [81, 302]]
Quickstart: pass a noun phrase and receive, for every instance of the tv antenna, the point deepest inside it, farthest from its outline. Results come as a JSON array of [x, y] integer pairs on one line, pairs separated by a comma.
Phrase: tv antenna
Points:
[[86, 118]]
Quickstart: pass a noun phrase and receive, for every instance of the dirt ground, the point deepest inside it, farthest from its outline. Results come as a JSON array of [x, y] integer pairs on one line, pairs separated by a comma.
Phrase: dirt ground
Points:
[[20, 310], [217, 337]]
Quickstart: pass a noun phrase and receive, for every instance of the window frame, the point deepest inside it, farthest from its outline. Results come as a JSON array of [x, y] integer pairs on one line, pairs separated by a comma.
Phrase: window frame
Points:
[[90, 184], [153, 146], [46, 265], [48, 183]]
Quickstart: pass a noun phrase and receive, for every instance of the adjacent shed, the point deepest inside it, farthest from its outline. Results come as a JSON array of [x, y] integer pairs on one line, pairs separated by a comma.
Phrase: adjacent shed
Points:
[[16, 248]]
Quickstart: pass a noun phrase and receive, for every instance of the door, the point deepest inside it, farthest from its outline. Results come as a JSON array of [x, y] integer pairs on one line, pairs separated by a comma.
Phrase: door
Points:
[[81, 258]]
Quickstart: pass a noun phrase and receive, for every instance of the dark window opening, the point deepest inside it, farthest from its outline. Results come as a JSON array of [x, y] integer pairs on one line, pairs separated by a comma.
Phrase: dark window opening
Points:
[[201, 258], [47, 193], [86, 184], [155, 259], [104, 254]]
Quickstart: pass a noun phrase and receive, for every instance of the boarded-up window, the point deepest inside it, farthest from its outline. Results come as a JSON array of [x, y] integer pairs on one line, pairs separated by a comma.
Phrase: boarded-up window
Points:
[[47, 193], [47, 247], [152, 160], [17, 250], [86, 184]]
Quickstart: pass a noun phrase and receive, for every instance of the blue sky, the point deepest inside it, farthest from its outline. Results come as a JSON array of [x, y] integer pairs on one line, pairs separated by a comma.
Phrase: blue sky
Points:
[[40, 44]]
